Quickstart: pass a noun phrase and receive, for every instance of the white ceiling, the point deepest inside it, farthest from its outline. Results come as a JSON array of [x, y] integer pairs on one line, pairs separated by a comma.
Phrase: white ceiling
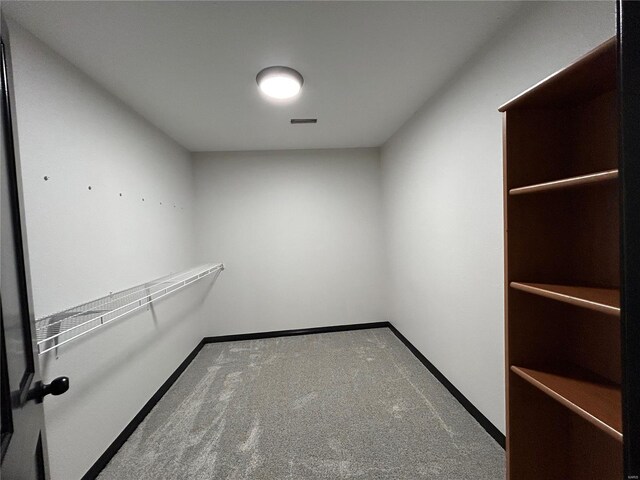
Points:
[[190, 67]]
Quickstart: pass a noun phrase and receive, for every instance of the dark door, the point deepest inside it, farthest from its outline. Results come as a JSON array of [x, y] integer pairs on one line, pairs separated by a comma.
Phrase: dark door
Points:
[[23, 438], [629, 77]]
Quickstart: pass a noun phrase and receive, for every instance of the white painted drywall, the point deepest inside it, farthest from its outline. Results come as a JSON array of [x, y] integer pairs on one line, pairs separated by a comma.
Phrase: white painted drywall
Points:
[[85, 243], [442, 184], [300, 233]]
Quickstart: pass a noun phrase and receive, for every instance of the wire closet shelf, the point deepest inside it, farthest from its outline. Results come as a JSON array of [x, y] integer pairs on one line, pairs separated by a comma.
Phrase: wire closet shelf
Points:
[[62, 327]]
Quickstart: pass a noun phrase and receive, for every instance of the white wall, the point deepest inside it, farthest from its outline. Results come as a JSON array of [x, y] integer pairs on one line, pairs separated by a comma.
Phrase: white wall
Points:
[[85, 243], [442, 183], [300, 233]]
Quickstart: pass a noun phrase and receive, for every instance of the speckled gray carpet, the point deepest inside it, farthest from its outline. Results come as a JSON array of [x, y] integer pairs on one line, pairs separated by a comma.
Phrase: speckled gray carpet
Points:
[[336, 405]]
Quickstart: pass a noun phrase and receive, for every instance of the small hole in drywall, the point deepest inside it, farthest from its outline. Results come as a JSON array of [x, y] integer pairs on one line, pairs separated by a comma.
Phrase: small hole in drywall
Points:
[[46, 178], [120, 194], [89, 187], [143, 199]]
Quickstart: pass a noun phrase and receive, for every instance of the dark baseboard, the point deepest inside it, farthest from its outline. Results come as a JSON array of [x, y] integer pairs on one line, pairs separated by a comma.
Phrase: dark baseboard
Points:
[[106, 457], [484, 422], [291, 333]]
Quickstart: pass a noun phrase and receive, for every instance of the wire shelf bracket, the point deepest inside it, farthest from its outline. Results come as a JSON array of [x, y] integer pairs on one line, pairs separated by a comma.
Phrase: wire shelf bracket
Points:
[[59, 328]]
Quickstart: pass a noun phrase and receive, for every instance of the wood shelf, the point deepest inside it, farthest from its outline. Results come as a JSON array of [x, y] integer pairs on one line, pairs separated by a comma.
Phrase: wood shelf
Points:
[[589, 396], [582, 180], [605, 300]]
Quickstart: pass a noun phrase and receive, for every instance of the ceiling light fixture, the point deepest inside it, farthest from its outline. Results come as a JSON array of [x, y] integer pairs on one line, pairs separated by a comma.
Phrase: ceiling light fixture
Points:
[[279, 82]]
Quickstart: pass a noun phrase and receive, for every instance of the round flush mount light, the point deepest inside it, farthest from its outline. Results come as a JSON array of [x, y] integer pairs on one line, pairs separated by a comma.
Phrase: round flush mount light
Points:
[[279, 82]]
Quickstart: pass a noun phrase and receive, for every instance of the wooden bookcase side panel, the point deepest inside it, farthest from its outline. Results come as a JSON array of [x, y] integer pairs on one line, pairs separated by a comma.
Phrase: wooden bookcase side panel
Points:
[[507, 334]]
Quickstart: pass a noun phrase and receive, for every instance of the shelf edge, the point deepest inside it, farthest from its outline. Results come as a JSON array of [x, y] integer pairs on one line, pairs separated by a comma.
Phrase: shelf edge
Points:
[[591, 178], [561, 297], [608, 429]]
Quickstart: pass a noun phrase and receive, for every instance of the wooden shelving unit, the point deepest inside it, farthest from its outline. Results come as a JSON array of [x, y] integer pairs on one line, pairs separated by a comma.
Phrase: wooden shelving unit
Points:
[[562, 262]]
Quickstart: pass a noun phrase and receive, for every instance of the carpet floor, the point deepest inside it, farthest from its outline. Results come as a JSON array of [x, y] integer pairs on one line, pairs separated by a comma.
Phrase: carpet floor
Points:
[[351, 404]]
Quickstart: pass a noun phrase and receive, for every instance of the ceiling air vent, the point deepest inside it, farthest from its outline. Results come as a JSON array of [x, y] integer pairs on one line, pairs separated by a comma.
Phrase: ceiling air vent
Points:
[[298, 121]]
